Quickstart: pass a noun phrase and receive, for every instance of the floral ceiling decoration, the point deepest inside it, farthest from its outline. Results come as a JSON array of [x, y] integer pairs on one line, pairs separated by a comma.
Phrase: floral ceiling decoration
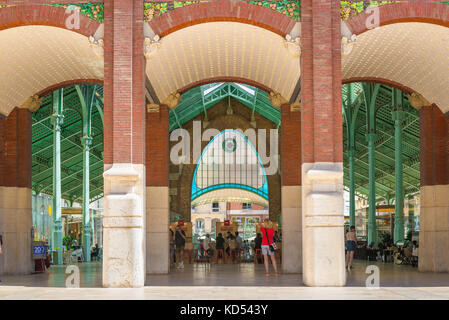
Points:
[[291, 8], [287, 7]]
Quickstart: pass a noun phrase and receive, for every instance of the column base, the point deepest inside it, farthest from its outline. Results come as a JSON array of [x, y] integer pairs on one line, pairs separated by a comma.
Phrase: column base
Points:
[[15, 227], [157, 225], [434, 229], [291, 229], [323, 222], [123, 226]]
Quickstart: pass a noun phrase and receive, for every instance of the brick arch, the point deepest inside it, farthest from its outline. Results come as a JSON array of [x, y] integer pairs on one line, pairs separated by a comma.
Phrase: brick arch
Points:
[[387, 82], [222, 11], [424, 11], [45, 15], [225, 79], [68, 83]]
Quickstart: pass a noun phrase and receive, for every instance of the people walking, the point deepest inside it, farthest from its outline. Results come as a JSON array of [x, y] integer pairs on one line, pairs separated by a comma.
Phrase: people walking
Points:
[[219, 246], [268, 246], [180, 242], [351, 243], [172, 247]]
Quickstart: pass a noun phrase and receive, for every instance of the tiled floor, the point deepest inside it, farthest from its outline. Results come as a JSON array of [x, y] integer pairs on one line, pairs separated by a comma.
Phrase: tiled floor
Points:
[[244, 281]]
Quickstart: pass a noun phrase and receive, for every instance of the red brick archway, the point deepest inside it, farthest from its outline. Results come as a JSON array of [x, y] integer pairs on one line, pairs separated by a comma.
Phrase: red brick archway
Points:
[[68, 83], [222, 11], [387, 82], [424, 11], [28, 14]]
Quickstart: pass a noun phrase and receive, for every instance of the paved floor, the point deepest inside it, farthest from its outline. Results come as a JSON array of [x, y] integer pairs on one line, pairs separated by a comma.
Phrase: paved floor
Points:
[[244, 281]]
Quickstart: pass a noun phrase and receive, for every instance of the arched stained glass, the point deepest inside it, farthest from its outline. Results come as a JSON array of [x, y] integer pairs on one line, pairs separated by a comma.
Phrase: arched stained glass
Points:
[[229, 161]]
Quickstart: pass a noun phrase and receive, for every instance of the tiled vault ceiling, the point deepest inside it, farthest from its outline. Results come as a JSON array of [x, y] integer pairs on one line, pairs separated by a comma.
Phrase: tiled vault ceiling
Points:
[[415, 55], [33, 58], [219, 49]]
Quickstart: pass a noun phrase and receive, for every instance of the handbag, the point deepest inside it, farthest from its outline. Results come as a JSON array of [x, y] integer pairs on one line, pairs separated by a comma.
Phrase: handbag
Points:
[[272, 246]]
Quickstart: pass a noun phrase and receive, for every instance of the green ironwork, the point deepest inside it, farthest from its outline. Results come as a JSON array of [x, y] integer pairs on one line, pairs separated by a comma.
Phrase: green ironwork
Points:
[[350, 110], [198, 100], [72, 149], [370, 92], [398, 117], [88, 100], [57, 120], [379, 148]]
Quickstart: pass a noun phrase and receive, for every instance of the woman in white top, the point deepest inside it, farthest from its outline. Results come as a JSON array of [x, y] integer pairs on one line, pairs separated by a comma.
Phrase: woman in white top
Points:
[[351, 242]]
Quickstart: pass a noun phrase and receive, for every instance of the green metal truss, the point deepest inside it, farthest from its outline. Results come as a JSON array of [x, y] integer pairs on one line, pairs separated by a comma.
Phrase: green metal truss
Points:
[[384, 152], [71, 146], [201, 99]]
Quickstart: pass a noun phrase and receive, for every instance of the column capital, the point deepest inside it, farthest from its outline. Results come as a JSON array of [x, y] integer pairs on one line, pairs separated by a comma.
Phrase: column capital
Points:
[[153, 107], [151, 46], [277, 100], [97, 46], [295, 107], [172, 100], [397, 113], [86, 141], [57, 120], [371, 136], [417, 101], [33, 103]]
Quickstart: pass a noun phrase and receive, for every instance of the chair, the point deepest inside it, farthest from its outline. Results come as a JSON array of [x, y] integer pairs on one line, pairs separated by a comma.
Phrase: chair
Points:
[[78, 254], [67, 257]]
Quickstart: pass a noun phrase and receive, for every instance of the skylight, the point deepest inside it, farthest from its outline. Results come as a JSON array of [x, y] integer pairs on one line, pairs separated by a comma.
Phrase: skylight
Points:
[[246, 88], [207, 91]]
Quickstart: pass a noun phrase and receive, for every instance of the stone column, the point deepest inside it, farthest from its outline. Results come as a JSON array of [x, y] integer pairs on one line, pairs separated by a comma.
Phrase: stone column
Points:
[[291, 189], [322, 144], [124, 155], [158, 207], [434, 213], [15, 193]]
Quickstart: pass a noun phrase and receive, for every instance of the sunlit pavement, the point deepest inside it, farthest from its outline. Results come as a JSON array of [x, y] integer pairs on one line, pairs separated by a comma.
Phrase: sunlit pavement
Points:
[[244, 281]]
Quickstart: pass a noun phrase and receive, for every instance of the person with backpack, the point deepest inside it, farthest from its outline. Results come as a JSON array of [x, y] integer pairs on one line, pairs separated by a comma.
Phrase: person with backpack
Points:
[[268, 245]]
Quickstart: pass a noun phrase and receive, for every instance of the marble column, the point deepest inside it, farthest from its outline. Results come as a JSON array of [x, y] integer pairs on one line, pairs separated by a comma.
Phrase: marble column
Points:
[[124, 144], [15, 193], [322, 144]]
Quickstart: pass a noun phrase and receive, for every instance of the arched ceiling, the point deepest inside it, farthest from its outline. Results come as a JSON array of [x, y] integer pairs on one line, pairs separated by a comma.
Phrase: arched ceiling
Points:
[[413, 54], [222, 49], [33, 58]]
